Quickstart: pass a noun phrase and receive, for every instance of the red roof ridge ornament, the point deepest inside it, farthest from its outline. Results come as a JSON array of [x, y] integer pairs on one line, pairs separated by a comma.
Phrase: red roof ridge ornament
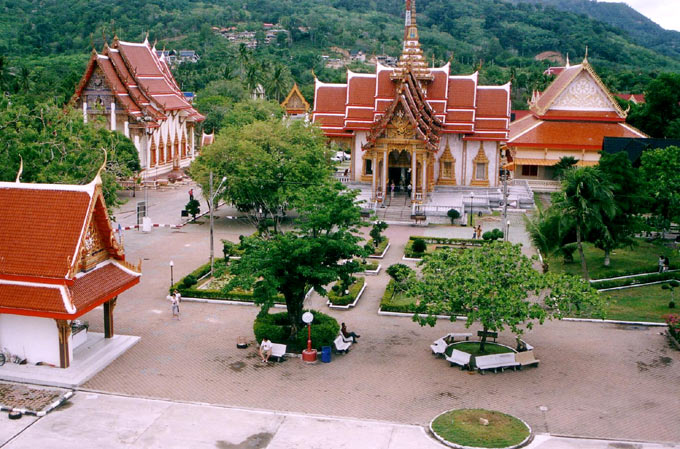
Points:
[[21, 169], [98, 178]]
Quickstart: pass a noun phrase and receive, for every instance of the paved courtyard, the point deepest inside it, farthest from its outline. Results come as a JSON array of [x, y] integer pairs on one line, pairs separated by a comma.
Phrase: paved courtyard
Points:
[[595, 379]]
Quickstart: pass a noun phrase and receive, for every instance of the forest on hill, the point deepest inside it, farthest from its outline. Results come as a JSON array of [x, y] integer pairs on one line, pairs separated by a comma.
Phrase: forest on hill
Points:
[[44, 45]]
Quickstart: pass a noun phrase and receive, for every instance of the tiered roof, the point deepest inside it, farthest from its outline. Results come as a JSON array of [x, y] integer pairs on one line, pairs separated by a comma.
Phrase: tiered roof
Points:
[[457, 102], [141, 81], [576, 111], [58, 254]]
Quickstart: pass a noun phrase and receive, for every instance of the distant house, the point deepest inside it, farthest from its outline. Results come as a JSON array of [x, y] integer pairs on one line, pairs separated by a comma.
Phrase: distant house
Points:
[[633, 98], [187, 56]]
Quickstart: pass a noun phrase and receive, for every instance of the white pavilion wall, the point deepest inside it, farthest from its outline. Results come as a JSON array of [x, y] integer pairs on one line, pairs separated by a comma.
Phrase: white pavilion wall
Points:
[[36, 339], [357, 154]]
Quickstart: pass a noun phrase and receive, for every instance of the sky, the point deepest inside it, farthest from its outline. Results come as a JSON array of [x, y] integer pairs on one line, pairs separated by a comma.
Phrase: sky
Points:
[[664, 12]]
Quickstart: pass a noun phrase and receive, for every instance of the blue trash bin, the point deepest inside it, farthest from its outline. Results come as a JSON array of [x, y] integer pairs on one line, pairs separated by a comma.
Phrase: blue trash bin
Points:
[[326, 354]]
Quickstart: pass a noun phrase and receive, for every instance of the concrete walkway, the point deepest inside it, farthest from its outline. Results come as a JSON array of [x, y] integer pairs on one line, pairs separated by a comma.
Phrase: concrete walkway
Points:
[[109, 421]]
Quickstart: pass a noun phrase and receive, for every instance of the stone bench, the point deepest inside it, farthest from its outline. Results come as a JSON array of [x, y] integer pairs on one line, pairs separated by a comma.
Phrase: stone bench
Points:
[[526, 358], [439, 346], [460, 335], [341, 345], [278, 351], [496, 361], [459, 358], [491, 334]]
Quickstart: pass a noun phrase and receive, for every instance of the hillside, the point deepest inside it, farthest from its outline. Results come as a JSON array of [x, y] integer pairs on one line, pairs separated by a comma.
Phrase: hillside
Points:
[[44, 45], [640, 29]]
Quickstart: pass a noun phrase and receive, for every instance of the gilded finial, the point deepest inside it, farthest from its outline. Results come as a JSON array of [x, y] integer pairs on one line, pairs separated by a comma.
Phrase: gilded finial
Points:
[[98, 179], [568, 60], [314, 74], [146, 38], [21, 169], [585, 57]]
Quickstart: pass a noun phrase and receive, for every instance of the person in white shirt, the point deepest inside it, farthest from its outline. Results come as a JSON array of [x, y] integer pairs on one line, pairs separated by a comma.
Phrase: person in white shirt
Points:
[[175, 305], [265, 350]]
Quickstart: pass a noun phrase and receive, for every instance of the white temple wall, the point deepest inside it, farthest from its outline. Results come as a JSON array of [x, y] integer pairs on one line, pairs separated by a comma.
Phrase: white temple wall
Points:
[[357, 154], [33, 338]]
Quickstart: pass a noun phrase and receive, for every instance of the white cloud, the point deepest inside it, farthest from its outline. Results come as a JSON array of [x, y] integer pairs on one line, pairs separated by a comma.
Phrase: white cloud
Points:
[[664, 12]]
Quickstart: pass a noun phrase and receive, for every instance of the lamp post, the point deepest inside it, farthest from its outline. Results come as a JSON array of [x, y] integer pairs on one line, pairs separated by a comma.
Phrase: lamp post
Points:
[[172, 280], [472, 201], [507, 230], [309, 354], [211, 201]]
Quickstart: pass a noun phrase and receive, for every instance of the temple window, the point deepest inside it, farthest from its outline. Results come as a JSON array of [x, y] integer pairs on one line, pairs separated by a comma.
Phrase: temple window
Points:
[[529, 170], [447, 170], [480, 172], [368, 167]]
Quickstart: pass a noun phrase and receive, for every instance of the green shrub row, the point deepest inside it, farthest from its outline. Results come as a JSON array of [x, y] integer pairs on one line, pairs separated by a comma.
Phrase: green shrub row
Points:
[[275, 326], [642, 279], [387, 306], [343, 300]]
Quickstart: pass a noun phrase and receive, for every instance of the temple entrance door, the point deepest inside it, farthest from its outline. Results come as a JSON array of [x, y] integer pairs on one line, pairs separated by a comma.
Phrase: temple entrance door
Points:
[[398, 170]]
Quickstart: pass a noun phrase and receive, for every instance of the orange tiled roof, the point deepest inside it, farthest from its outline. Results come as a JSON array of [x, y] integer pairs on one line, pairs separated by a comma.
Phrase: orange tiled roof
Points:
[[44, 227]]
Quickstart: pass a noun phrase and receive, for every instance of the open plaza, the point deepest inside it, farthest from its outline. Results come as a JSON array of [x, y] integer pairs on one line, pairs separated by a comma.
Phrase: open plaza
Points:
[[595, 380]]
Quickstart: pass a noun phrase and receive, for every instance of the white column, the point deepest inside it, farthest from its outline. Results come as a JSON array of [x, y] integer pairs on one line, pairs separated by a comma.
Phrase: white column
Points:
[[113, 116], [413, 175], [384, 175], [85, 110], [126, 129], [374, 169], [424, 177]]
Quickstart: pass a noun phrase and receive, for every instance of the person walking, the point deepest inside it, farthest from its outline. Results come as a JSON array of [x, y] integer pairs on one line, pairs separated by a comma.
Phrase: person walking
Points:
[[479, 231], [474, 233], [661, 262], [191, 194], [175, 306], [666, 264]]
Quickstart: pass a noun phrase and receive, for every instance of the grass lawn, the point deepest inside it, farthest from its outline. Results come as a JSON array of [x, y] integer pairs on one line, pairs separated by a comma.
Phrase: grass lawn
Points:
[[648, 303], [642, 258], [464, 428], [472, 348]]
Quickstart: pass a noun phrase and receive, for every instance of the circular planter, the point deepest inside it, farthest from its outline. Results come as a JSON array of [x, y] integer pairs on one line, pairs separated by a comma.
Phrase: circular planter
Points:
[[14, 415], [470, 429]]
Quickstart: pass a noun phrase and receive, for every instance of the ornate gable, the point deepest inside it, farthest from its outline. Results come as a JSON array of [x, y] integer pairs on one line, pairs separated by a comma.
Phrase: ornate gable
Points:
[[98, 242], [295, 102], [583, 93]]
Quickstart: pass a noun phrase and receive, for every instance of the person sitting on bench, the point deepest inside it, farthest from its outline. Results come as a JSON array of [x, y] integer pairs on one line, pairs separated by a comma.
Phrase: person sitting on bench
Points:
[[345, 333], [265, 350]]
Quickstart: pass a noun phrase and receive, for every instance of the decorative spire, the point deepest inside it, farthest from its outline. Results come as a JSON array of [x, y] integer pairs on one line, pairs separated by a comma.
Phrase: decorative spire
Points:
[[567, 61], [98, 179], [585, 57], [412, 55]]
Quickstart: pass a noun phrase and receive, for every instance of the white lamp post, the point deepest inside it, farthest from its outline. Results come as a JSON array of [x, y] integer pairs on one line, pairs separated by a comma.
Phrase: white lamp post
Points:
[[211, 203], [172, 281]]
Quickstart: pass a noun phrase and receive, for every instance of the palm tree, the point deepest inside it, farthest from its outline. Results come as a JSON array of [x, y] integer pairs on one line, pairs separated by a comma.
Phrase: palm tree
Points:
[[252, 77], [563, 165], [586, 201], [243, 57], [278, 82]]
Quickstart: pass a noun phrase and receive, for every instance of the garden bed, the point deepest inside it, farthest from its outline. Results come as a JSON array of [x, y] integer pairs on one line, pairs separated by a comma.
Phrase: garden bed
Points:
[[673, 322], [464, 428], [634, 280], [189, 286], [336, 301], [433, 243], [275, 327], [641, 258], [399, 303], [380, 251]]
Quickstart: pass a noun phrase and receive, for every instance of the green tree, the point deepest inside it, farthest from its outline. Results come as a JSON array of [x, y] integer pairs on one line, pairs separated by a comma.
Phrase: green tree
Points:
[[58, 147], [563, 165], [278, 82], [660, 115], [376, 232], [309, 256], [660, 170], [453, 214], [585, 202], [193, 207], [268, 165], [627, 190], [496, 286], [400, 274]]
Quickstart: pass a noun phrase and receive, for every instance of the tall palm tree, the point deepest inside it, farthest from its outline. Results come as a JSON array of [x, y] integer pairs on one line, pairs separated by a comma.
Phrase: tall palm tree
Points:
[[586, 200], [278, 82], [252, 77], [243, 57]]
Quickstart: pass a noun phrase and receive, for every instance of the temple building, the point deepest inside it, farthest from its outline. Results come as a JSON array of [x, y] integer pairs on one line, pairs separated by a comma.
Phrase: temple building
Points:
[[59, 259], [570, 118], [134, 90], [415, 126], [295, 105]]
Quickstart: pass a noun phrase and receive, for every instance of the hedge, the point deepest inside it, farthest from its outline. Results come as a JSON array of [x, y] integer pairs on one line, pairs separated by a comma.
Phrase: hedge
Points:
[[275, 326], [453, 242], [642, 279], [354, 290], [191, 292]]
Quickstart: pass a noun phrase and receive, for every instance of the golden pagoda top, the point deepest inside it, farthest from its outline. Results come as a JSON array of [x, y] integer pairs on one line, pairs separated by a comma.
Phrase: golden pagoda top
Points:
[[412, 58]]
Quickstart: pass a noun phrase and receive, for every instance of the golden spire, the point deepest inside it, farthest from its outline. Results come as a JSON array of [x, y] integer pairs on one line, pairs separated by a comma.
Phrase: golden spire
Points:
[[585, 57], [412, 57]]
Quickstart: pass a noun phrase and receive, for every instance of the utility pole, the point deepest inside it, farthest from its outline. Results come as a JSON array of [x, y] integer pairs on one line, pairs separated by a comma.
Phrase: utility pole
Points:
[[210, 205]]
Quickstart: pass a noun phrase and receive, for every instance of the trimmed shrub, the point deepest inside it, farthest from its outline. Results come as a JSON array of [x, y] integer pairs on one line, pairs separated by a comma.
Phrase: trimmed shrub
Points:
[[379, 249], [336, 297], [193, 207], [673, 322], [419, 246], [399, 272], [493, 235], [189, 281], [275, 326], [453, 214], [376, 231]]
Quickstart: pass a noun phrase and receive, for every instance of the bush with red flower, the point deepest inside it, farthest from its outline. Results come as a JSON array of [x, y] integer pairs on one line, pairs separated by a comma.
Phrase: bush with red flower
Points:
[[673, 321]]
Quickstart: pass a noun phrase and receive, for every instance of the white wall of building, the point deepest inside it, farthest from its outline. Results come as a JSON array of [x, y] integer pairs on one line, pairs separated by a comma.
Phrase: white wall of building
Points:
[[358, 154], [36, 339]]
